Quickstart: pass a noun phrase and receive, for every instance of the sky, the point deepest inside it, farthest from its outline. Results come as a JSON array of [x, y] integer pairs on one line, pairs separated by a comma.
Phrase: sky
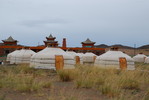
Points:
[[108, 22]]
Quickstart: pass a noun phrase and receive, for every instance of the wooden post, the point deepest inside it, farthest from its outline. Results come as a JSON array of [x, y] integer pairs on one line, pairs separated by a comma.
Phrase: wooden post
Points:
[[77, 60], [59, 62], [144, 59], [94, 58], [123, 63]]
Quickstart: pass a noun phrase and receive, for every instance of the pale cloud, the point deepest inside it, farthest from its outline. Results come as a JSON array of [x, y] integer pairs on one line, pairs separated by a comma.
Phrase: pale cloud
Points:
[[104, 21], [42, 22]]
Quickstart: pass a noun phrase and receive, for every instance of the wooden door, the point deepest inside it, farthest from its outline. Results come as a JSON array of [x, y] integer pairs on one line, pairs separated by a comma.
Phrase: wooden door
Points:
[[59, 62], [123, 63], [77, 60]]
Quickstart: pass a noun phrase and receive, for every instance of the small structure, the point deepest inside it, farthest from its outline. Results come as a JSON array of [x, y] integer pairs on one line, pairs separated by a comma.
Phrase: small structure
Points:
[[146, 60], [139, 58], [80, 54], [51, 41], [88, 43], [116, 59], [89, 58], [10, 41], [78, 59], [20, 56], [64, 45], [10, 55], [52, 58]]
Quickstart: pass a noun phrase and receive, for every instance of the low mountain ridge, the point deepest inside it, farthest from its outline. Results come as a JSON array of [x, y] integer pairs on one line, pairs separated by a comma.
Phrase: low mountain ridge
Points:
[[144, 47], [116, 45], [121, 46]]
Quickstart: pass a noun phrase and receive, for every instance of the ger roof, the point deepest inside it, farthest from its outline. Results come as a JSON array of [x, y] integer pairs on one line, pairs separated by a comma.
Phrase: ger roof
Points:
[[113, 56], [89, 54], [50, 52], [140, 56], [88, 41], [10, 39]]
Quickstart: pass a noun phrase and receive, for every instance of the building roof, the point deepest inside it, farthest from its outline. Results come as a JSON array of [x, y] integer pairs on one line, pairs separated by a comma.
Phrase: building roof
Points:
[[72, 53], [113, 56], [88, 41], [139, 58], [50, 36], [10, 39], [1, 44]]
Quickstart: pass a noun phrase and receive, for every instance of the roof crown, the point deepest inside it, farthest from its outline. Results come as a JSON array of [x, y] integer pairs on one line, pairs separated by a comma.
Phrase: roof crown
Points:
[[50, 36], [10, 39], [88, 41]]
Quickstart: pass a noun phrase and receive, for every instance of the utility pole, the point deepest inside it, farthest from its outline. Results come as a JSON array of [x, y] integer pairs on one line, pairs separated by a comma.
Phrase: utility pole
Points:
[[134, 49]]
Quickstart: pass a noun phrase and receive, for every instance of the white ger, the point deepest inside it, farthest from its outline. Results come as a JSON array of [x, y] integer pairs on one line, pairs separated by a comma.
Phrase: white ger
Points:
[[89, 58], [139, 58], [146, 60], [112, 59], [77, 57], [47, 59], [20, 56]]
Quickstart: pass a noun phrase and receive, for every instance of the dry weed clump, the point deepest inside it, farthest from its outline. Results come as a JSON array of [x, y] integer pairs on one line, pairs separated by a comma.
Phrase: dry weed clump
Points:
[[66, 75], [142, 66], [21, 78]]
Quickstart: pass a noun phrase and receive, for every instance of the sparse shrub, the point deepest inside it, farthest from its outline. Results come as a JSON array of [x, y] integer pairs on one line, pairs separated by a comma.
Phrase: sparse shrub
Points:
[[47, 85], [99, 81], [84, 83], [130, 84], [146, 95], [110, 90], [2, 97], [65, 75], [70, 98], [78, 83]]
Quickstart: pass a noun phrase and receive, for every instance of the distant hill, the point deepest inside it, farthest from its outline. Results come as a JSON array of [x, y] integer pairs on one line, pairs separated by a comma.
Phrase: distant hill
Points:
[[144, 47], [122, 46], [116, 45], [102, 46]]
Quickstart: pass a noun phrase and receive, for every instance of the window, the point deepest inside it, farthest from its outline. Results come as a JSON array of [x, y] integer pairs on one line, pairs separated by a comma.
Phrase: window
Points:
[[7, 51], [88, 46]]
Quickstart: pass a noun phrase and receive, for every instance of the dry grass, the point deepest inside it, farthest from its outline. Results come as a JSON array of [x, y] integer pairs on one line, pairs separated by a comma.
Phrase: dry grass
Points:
[[142, 66], [2, 97], [112, 83], [22, 78], [116, 84], [66, 75]]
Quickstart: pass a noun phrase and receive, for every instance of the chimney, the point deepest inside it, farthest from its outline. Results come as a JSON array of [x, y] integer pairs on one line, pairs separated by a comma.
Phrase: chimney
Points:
[[64, 43]]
